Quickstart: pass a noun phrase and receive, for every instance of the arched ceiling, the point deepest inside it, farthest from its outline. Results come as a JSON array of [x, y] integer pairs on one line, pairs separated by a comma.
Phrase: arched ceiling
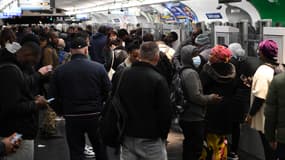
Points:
[[85, 6], [80, 4]]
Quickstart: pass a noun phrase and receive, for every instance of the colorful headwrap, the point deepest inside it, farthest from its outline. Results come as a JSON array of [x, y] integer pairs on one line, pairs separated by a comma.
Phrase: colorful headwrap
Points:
[[269, 49], [220, 54]]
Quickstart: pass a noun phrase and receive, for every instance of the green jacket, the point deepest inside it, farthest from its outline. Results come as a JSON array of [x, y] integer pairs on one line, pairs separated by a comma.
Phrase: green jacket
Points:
[[275, 110]]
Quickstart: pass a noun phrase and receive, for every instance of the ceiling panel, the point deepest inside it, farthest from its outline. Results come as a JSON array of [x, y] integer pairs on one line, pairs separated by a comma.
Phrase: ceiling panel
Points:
[[71, 4]]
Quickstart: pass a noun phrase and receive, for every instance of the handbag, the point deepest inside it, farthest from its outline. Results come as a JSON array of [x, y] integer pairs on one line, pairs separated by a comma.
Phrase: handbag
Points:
[[48, 128], [250, 144], [113, 120]]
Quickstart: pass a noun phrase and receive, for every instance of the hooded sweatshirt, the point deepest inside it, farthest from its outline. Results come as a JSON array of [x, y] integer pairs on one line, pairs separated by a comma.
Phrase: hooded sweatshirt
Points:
[[219, 78], [195, 108]]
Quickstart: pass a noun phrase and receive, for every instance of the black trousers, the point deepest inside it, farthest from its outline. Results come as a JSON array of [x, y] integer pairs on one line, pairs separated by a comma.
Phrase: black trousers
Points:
[[193, 139], [268, 151], [76, 128], [280, 152], [235, 136]]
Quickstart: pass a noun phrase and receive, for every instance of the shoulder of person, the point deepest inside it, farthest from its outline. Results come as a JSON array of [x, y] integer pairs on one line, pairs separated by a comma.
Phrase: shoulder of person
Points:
[[13, 68]]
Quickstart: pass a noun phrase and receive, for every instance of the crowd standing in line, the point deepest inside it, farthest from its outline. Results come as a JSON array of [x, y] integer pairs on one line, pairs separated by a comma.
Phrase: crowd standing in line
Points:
[[222, 88]]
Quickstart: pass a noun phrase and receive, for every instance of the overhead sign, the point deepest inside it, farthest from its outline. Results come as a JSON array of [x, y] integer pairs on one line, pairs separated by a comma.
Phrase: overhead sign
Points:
[[181, 11], [82, 16], [214, 15], [35, 4], [167, 18], [5, 15], [11, 11]]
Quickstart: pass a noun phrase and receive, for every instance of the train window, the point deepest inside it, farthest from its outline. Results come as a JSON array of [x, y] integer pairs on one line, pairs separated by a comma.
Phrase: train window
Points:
[[221, 40]]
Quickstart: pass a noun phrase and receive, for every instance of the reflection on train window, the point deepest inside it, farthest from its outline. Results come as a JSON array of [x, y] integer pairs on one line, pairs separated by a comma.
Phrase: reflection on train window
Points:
[[221, 40]]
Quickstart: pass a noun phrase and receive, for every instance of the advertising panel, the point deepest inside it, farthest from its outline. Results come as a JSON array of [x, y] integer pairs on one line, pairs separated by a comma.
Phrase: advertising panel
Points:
[[181, 12]]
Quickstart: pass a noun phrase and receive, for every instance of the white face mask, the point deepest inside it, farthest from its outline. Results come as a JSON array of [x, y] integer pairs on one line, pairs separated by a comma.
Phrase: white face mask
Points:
[[13, 47], [196, 61]]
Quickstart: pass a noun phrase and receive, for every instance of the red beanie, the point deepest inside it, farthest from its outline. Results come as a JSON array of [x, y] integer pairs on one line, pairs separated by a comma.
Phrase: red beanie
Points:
[[220, 54]]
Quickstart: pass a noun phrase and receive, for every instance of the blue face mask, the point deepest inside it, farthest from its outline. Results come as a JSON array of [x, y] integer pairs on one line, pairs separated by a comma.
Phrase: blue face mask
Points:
[[88, 56], [196, 61]]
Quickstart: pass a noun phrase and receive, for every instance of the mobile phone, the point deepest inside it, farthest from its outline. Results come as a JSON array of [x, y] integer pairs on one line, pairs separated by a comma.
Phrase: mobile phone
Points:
[[50, 100], [16, 138], [243, 77]]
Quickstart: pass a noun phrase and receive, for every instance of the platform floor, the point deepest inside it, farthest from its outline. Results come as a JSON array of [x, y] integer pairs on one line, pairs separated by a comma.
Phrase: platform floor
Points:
[[55, 148]]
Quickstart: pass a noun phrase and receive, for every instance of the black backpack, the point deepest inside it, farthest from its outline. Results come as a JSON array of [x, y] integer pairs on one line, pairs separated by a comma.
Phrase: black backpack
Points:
[[177, 97], [113, 120], [165, 68]]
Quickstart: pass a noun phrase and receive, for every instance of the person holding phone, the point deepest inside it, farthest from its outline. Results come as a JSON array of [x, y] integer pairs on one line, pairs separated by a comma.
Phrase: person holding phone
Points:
[[19, 107], [9, 144], [217, 76]]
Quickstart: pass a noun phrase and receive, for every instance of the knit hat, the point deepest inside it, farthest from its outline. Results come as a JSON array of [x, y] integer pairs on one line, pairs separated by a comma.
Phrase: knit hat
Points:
[[202, 39], [237, 50], [187, 54], [220, 54], [269, 49]]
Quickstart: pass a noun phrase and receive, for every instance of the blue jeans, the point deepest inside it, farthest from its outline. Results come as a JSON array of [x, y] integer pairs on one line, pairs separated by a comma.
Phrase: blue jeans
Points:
[[143, 149]]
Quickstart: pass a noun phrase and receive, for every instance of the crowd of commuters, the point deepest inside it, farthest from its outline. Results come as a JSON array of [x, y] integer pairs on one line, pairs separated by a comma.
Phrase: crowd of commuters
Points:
[[80, 69]]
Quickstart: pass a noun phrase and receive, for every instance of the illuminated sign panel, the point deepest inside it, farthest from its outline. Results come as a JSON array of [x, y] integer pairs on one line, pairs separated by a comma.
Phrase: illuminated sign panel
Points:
[[10, 10], [35, 4], [181, 12], [214, 16]]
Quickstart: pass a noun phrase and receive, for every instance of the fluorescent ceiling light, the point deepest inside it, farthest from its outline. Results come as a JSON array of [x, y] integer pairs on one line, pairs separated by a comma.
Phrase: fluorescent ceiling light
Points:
[[117, 5]]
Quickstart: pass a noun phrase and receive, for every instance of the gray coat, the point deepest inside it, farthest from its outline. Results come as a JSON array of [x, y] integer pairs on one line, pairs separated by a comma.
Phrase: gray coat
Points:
[[195, 108], [196, 100]]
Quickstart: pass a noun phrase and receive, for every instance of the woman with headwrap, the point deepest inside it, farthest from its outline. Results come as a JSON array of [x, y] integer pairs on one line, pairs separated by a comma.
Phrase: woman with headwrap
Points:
[[217, 76], [267, 51]]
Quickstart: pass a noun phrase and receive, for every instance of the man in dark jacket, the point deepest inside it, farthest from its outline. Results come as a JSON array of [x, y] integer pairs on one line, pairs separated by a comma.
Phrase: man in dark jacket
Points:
[[245, 69], [98, 42], [80, 87], [19, 109], [145, 95]]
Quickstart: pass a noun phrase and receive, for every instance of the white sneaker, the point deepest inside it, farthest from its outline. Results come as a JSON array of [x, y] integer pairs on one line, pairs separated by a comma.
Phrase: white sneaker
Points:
[[88, 151]]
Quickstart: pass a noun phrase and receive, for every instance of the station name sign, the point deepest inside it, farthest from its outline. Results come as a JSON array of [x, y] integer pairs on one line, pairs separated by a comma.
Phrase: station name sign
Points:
[[214, 15]]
